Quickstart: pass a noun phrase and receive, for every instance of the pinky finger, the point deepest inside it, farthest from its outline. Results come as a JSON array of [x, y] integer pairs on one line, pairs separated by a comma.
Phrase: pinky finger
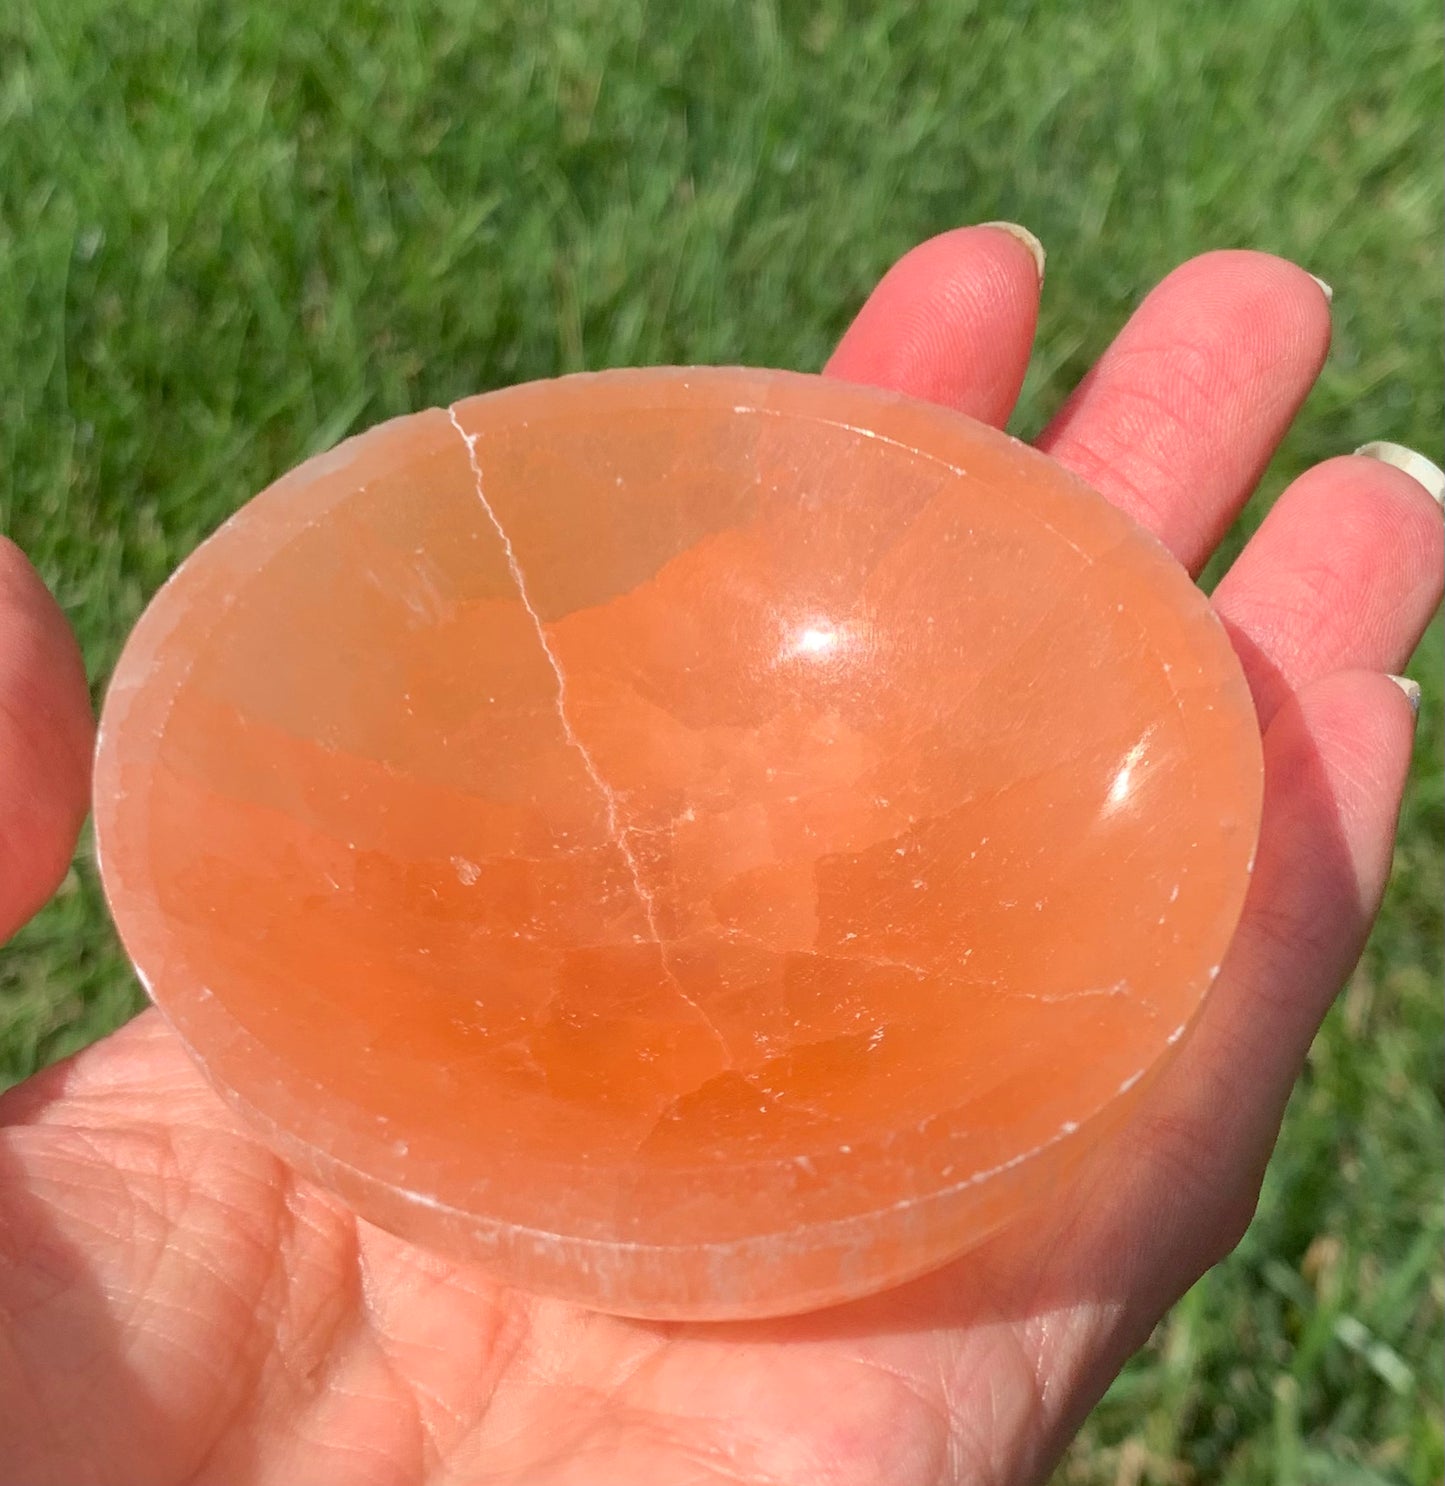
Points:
[[1336, 759]]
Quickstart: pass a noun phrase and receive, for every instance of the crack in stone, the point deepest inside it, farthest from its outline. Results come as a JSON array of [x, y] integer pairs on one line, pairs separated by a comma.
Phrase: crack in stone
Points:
[[618, 831]]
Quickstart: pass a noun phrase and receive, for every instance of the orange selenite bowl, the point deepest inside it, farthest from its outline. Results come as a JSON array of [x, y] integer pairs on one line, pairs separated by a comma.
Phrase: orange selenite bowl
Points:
[[697, 842]]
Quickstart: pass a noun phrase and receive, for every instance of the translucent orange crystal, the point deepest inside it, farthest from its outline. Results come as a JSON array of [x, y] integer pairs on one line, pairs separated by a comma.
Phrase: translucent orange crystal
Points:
[[699, 842]]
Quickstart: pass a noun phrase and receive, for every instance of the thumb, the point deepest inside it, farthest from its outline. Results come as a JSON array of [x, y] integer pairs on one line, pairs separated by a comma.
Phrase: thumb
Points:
[[45, 741]]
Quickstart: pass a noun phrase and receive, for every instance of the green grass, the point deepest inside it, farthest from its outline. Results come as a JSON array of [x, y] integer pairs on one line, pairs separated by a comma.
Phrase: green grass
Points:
[[229, 237]]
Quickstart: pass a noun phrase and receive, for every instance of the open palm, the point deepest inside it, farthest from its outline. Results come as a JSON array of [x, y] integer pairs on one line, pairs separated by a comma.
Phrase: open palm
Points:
[[176, 1306]]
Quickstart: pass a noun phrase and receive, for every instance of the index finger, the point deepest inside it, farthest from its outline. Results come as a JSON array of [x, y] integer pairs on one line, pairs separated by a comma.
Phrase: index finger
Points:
[[952, 322]]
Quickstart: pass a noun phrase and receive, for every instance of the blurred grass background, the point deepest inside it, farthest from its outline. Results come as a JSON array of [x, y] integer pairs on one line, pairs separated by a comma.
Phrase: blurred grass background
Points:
[[231, 234]]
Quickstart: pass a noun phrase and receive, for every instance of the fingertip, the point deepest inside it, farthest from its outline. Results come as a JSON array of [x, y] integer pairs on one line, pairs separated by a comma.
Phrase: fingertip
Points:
[[1424, 472], [1338, 753], [1281, 306], [951, 322], [1239, 278], [1344, 572], [1180, 415], [1406, 500], [1027, 240], [1410, 690]]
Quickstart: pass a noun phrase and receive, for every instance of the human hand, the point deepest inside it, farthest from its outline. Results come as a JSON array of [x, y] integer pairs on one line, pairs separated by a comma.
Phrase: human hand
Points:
[[176, 1306]]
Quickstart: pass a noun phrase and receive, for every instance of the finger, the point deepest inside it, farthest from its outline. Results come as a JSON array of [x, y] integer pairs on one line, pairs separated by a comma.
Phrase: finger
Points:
[[951, 322], [45, 740], [1177, 420], [1345, 572], [1336, 759]]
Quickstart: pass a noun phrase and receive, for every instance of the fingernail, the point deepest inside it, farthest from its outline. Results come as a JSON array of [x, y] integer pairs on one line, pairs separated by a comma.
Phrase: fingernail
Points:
[[1325, 289], [1411, 690], [1415, 465], [1027, 239]]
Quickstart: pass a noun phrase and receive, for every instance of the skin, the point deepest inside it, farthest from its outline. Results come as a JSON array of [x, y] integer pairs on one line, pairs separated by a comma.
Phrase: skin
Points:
[[176, 1307]]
